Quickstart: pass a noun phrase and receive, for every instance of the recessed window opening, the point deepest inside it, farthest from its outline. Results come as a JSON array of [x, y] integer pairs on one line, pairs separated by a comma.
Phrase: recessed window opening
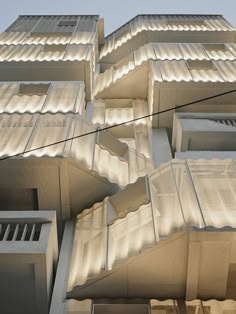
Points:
[[200, 65], [215, 47], [54, 48], [33, 89], [67, 23], [50, 34]]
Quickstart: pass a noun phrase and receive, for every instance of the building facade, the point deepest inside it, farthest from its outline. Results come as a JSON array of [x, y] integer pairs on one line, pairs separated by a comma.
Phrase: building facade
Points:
[[118, 166]]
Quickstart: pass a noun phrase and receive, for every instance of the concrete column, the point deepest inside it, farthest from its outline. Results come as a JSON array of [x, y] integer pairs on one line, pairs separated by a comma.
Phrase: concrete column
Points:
[[161, 149], [58, 302]]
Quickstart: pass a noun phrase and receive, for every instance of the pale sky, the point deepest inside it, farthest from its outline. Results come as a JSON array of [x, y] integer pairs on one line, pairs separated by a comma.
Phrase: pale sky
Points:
[[116, 12]]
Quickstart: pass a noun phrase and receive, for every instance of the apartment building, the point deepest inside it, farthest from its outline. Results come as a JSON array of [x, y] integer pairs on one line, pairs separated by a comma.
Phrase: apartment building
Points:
[[118, 166]]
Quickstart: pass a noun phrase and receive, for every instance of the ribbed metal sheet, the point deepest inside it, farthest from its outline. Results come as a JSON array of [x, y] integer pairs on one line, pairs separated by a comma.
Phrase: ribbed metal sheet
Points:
[[51, 23], [131, 235], [49, 40], [117, 171], [171, 51], [24, 23], [171, 71], [184, 51], [15, 38], [172, 63], [183, 194], [50, 129], [221, 51], [164, 23], [178, 71], [227, 70], [12, 38], [20, 133], [60, 97], [87, 23], [40, 53], [89, 245], [6, 51]]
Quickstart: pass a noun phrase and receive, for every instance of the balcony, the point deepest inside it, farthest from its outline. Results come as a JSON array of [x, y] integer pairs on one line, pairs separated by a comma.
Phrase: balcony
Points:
[[43, 62], [144, 29], [182, 212], [168, 75], [28, 258], [204, 132]]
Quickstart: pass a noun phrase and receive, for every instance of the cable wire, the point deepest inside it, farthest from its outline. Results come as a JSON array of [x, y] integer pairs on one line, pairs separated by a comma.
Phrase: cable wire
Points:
[[119, 124]]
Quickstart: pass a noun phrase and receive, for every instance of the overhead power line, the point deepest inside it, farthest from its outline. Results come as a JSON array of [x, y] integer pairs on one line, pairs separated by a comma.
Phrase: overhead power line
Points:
[[119, 124]]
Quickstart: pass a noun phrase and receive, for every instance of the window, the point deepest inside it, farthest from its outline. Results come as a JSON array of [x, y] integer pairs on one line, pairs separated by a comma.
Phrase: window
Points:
[[67, 23], [200, 65], [215, 47], [54, 48], [33, 89], [18, 199]]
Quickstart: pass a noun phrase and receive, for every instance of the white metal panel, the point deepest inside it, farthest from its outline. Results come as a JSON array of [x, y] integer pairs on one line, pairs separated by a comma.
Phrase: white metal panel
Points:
[[193, 51], [215, 185], [6, 51], [15, 131], [12, 38], [43, 39], [131, 235], [89, 248], [62, 97], [206, 75], [116, 172], [156, 72], [118, 115], [167, 51], [50, 128], [26, 53], [83, 148], [44, 53], [24, 23], [218, 23], [220, 52], [122, 71], [25, 103], [7, 90], [227, 70], [176, 71], [77, 52]]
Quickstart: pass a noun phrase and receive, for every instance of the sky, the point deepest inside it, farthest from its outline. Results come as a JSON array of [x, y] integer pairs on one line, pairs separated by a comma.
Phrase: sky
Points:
[[115, 13]]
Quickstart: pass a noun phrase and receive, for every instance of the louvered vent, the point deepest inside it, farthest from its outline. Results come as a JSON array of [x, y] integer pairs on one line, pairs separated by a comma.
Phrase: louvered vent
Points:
[[19, 232], [226, 122]]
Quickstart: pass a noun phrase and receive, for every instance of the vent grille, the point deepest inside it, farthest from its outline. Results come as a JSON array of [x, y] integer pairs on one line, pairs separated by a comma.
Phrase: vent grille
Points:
[[226, 122], [20, 232]]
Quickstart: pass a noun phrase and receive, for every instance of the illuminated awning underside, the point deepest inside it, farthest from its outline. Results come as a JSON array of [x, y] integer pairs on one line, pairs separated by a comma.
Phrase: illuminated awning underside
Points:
[[169, 236]]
